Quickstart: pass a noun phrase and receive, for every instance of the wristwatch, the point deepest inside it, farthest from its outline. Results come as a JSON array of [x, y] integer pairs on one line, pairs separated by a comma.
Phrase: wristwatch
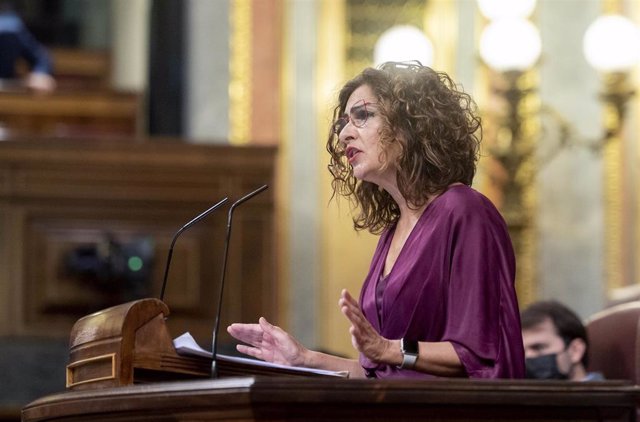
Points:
[[409, 349]]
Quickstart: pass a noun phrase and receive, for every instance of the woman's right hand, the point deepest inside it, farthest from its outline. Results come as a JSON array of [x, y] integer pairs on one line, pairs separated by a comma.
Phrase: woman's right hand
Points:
[[269, 343]]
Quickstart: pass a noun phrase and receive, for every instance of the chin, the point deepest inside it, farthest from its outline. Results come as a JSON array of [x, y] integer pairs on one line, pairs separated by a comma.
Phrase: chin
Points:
[[362, 177], [358, 173], [369, 175]]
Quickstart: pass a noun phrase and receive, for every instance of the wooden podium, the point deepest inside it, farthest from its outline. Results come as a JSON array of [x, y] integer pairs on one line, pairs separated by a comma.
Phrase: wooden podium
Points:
[[130, 344], [121, 357], [127, 344], [339, 399]]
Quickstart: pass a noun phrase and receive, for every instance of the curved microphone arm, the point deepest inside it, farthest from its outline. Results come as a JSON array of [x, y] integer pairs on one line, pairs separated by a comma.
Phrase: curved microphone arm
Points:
[[214, 341], [178, 233]]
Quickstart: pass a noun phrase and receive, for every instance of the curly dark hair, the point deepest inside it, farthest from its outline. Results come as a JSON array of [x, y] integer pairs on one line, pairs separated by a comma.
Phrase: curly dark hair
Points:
[[431, 122]]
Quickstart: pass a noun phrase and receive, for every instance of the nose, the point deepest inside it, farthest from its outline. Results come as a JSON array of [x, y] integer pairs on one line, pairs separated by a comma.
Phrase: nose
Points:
[[348, 133], [530, 353]]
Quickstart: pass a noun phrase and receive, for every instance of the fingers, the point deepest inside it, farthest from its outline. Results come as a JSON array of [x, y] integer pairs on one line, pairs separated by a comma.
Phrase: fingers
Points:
[[267, 342], [360, 327], [350, 308], [272, 333], [251, 351], [345, 294], [347, 303], [266, 325], [347, 299], [364, 337], [244, 330], [256, 334], [246, 333]]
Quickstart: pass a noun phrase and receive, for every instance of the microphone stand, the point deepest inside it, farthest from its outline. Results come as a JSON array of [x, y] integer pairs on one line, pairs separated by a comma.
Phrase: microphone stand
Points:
[[214, 342], [185, 227]]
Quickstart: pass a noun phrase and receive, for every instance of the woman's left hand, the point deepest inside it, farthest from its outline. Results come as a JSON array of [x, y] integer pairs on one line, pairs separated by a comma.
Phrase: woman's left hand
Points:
[[268, 342], [363, 336]]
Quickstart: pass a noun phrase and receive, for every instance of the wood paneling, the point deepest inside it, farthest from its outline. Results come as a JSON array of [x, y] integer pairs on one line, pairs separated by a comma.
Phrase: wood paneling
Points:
[[57, 196], [70, 114], [81, 69]]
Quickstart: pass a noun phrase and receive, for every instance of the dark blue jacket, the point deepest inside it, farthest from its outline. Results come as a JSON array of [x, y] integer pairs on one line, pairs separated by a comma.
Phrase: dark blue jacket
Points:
[[17, 42]]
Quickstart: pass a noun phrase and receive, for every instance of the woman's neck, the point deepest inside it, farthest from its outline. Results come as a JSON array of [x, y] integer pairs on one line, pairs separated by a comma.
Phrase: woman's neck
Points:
[[408, 211], [409, 215]]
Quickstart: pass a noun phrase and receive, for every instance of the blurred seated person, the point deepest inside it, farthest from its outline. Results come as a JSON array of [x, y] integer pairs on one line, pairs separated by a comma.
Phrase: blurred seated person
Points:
[[16, 42], [555, 343]]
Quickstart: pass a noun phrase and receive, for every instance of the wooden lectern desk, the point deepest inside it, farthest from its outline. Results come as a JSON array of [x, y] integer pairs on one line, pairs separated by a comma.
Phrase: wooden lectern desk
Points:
[[341, 399], [127, 344], [131, 344], [122, 357]]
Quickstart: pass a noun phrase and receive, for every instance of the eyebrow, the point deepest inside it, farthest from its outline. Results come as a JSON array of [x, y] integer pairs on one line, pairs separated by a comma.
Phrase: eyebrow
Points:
[[364, 104]]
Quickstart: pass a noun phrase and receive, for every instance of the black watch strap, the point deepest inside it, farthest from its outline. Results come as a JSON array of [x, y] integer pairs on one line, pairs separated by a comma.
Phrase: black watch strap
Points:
[[410, 351]]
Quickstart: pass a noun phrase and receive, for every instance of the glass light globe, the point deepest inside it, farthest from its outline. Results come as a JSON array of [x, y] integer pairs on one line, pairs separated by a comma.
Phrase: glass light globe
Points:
[[510, 44], [403, 43], [611, 44], [498, 9]]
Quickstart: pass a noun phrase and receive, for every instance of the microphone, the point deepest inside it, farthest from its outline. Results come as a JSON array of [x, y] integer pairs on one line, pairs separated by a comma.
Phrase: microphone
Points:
[[185, 227], [214, 341]]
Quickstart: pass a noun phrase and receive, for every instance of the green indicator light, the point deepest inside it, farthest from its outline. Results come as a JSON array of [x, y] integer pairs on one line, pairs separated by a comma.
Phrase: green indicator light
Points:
[[135, 263]]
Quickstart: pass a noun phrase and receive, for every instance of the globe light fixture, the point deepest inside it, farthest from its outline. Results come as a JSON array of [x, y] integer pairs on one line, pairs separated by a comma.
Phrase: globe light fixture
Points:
[[510, 44], [403, 43], [611, 44]]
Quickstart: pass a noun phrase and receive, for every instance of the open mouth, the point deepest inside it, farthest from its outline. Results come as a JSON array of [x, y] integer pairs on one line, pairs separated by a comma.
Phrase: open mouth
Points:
[[351, 152]]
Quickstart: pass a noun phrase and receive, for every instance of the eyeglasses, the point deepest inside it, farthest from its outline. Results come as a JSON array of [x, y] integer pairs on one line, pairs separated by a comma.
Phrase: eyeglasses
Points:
[[358, 116], [412, 65]]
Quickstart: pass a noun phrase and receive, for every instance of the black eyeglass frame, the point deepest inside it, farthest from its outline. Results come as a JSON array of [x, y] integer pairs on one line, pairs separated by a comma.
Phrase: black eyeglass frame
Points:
[[358, 121]]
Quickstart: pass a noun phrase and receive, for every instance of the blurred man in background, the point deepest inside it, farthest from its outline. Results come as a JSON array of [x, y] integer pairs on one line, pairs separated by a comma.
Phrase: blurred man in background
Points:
[[555, 343]]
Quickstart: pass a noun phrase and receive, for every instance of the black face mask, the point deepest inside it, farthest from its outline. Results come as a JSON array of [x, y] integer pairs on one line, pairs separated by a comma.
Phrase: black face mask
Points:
[[544, 368]]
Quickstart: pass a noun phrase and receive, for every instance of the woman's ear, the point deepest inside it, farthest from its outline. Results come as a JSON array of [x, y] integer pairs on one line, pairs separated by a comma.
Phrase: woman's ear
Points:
[[577, 348]]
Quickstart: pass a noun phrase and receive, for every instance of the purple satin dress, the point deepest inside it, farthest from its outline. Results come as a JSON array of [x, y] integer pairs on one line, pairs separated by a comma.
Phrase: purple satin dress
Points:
[[453, 281]]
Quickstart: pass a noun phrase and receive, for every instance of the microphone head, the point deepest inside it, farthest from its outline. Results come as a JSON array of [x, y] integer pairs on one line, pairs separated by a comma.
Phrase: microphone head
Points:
[[249, 195]]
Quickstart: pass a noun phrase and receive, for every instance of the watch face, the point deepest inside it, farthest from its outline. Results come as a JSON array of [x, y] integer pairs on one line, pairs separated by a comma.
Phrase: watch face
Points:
[[409, 346], [409, 353]]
